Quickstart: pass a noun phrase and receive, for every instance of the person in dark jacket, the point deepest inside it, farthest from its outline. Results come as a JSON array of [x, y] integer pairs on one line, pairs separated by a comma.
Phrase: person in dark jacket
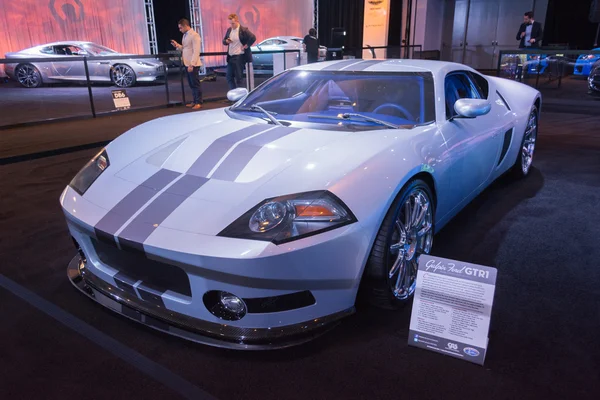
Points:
[[238, 40], [530, 32], [311, 46]]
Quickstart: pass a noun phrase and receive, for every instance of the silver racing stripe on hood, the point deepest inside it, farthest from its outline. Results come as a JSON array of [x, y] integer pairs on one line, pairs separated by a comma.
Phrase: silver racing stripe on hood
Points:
[[131, 222], [240, 157], [108, 225], [219, 148], [142, 226]]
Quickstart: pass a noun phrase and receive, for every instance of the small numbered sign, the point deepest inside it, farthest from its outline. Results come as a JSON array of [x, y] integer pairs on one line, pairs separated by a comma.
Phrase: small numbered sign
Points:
[[120, 99]]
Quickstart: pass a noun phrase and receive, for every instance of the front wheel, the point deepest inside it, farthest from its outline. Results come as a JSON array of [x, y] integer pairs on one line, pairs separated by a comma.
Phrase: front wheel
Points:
[[406, 233], [123, 75], [525, 156], [28, 76]]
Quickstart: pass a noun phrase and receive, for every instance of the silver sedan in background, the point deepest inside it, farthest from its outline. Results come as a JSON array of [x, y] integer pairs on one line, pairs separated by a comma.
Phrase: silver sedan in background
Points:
[[121, 72], [265, 61]]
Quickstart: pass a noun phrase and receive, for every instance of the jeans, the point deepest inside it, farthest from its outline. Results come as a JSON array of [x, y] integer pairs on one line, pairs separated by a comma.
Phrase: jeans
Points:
[[195, 85], [235, 68]]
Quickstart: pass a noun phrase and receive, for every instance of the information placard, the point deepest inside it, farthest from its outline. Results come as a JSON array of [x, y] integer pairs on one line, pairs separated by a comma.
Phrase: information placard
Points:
[[121, 99], [452, 308]]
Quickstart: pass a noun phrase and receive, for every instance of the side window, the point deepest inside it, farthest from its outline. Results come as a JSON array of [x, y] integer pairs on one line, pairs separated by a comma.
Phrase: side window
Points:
[[457, 86], [481, 84], [268, 42], [47, 50]]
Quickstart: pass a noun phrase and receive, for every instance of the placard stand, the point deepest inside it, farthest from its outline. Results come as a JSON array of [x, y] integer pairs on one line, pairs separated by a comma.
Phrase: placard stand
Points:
[[452, 308]]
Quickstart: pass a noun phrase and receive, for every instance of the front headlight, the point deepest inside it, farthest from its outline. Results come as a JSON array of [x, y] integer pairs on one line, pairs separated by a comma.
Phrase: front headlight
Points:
[[145, 64], [286, 218], [90, 172]]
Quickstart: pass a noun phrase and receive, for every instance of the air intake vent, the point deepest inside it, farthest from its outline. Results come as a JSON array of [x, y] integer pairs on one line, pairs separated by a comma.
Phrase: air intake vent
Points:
[[507, 139]]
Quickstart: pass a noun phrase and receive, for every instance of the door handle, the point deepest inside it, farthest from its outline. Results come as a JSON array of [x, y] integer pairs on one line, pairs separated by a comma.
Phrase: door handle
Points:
[[104, 62]]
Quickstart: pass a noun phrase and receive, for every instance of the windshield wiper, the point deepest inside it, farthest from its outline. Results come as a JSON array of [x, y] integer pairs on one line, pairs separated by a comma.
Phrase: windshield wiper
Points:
[[348, 116], [269, 114]]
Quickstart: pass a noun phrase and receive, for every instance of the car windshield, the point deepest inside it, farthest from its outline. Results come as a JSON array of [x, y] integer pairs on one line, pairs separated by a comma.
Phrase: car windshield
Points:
[[98, 50], [345, 99]]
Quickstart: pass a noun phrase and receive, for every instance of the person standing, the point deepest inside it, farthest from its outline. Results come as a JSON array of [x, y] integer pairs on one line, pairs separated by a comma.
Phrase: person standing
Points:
[[311, 46], [530, 32], [238, 40], [190, 54]]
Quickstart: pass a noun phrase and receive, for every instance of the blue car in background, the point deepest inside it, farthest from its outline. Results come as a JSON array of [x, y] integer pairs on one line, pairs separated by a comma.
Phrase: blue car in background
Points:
[[583, 65], [536, 62]]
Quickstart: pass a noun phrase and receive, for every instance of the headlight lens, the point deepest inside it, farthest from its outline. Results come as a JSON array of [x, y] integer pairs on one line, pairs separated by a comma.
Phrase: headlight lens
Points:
[[90, 172], [286, 218]]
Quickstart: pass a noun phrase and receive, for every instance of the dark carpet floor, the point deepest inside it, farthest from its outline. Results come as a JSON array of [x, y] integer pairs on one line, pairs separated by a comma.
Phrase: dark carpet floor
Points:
[[542, 233]]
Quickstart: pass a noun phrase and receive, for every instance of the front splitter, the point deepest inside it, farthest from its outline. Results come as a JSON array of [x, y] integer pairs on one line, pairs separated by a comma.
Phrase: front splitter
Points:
[[193, 329]]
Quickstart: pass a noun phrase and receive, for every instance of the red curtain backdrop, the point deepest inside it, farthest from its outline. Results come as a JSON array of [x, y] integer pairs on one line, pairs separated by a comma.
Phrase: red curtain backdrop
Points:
[[118, 24], [265, 18]]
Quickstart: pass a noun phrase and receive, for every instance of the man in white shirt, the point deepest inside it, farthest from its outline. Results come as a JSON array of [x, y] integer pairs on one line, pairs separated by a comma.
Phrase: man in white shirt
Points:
[[238, 40], [190, 55]]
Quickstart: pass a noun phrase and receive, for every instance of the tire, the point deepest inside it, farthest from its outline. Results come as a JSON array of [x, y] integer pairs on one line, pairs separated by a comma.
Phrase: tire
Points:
[[379, 288], [524, 160], [122, 75], [28, 76]]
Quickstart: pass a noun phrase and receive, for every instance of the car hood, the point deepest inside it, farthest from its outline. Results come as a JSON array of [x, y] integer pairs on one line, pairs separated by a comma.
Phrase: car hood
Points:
[[222, 167], [219, 167], [229, 162]]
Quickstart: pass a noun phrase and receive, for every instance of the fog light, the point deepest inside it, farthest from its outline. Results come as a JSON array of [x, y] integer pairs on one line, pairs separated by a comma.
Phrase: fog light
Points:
[[224, 305], [232, 303]]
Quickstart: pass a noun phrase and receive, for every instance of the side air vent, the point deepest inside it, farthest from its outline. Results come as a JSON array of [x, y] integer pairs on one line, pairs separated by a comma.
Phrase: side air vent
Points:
[[503, 100], [507, 139]]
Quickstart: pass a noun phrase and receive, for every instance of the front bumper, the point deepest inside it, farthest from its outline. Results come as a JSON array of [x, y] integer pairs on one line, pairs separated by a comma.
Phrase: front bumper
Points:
[[197, 330]]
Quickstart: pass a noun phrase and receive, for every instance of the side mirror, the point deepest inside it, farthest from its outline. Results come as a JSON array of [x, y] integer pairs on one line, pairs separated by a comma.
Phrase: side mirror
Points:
[[236, 94], [472, 108]]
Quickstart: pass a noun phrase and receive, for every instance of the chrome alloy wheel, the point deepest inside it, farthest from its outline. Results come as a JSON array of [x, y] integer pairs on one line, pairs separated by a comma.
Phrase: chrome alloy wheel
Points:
[[412, 236], [123, 75], [28, 76], [529, 143]]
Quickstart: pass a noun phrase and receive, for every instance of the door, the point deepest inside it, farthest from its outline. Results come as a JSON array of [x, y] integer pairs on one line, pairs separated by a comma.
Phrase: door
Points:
[[68, 69], [481, 34], [473, 144], [458, 30]]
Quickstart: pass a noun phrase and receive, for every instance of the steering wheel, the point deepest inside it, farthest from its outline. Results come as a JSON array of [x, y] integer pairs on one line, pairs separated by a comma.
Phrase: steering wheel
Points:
[[403, 110]]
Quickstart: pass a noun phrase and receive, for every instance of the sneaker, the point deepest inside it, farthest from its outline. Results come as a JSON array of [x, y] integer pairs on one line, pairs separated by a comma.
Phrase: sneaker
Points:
[[190, 105], [197, 106]]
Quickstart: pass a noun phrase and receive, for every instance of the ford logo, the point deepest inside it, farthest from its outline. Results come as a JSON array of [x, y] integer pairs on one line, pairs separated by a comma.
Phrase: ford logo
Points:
[[471, 351]]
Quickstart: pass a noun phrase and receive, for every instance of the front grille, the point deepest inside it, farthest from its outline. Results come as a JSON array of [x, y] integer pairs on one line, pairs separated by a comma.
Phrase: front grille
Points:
[[136, 266]]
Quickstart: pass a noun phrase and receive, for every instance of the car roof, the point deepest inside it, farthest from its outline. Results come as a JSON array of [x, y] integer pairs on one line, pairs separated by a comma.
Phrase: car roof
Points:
[[283, 38], [391, 65]]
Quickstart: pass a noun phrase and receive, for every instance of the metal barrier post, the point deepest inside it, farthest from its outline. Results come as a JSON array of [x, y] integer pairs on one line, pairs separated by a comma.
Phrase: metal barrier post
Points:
[[181, 68], [249, 76], [167, 82], [499, 62], [539, 66], [89, 86], [560, 73], [284, 60]]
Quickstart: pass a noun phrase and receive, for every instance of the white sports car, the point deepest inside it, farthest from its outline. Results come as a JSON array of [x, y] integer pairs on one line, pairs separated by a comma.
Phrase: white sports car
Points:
[[254, 226]]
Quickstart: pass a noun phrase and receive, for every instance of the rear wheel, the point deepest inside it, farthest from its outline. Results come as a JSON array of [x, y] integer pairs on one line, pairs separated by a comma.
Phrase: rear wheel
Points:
[[123, 75], [28, 76], [406, 233], [525, 157]]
